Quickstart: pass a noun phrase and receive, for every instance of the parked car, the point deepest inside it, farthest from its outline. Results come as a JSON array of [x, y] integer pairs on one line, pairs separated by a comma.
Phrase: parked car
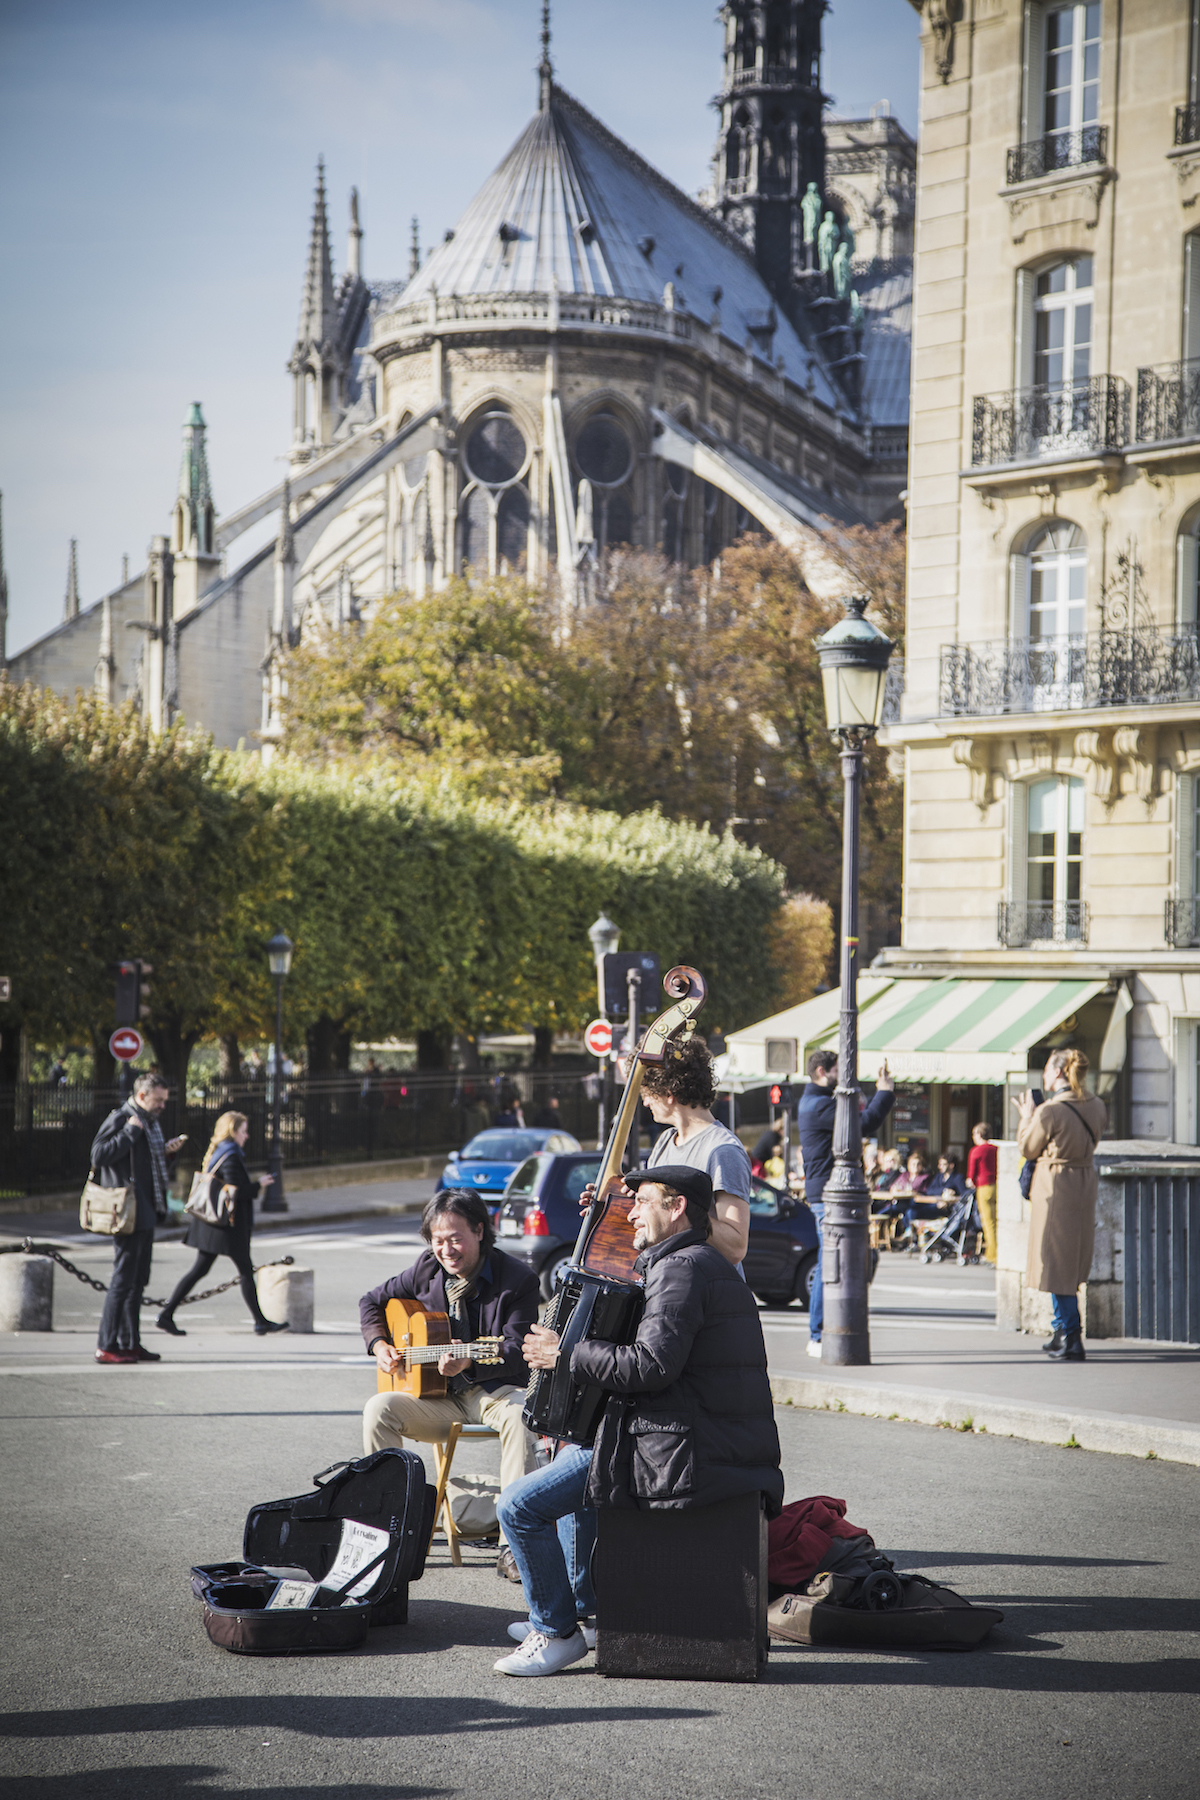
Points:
[[485, 1164], [539, 1222]]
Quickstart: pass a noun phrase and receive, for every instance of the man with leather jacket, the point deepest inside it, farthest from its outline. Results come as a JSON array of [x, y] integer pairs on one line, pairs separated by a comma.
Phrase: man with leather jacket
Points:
[[129, 1150], [690, 1422]]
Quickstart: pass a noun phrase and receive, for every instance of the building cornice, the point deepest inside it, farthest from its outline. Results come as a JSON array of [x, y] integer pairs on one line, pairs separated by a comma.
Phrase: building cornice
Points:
[[1001, 725]]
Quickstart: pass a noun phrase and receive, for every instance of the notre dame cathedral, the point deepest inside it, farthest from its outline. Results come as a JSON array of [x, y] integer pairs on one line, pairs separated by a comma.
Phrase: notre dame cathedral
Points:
[[590, 357]]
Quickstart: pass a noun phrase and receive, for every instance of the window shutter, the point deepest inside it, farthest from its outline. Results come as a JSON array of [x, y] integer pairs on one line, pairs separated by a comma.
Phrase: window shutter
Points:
[[1018, 840], [1018, 595], [1023, 333], [1187, 573], [1185, 838], [1034, 72], [1191, 297]]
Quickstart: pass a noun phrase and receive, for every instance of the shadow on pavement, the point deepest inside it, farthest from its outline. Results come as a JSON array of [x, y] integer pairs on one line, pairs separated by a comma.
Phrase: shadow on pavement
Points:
[[979, 1671], [956, 1559], [310, 1715], [193, 1779]]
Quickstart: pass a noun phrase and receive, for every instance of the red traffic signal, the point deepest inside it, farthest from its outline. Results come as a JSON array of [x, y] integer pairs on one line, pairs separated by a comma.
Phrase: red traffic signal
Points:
[[776, 1095]]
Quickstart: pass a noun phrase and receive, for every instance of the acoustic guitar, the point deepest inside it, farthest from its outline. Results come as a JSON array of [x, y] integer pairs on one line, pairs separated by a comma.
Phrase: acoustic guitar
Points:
[[422, 1337], [605, 1242]]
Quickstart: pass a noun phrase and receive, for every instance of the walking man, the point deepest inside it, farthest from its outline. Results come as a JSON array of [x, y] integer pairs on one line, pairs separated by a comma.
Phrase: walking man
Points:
[[815, 1117], [129, 1149]]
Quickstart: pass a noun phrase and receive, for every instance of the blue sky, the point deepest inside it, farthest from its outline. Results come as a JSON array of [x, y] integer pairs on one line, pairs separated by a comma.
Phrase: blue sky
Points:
[[160, 161]]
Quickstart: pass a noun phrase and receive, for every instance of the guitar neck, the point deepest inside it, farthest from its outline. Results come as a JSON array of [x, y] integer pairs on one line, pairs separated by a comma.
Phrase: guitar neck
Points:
[[429, 1353]]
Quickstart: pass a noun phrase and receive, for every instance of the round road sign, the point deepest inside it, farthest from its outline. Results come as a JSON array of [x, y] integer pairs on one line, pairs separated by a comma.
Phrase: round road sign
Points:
[[598, 1037], [126, 1043]]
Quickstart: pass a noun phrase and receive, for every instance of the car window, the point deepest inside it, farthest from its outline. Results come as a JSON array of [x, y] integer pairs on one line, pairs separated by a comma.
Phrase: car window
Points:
[[500, 1146], [578, 1178], [524, 1182], [562, 1143], [764, 1203]]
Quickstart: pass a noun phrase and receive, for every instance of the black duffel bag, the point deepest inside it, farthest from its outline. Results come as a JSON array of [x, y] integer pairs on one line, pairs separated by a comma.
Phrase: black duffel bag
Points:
[[298, 1539], [862, 1603]]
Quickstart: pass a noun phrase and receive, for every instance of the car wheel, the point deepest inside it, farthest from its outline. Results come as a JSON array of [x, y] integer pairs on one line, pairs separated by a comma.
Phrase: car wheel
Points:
[[804, 1279], [774, 1300], [553, 1271]]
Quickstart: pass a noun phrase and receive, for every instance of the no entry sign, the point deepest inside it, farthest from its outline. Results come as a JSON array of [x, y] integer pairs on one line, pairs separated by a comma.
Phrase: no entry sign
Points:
[[126, 1043], [598, 1037]]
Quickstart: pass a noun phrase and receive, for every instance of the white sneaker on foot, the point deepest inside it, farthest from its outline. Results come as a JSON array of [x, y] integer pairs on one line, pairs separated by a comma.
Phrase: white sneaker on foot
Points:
[[521, 1628], [814, 1347], [542, 1655]]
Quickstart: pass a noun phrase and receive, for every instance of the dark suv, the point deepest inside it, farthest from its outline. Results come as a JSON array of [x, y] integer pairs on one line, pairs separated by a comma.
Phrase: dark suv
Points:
[[539, 1222]]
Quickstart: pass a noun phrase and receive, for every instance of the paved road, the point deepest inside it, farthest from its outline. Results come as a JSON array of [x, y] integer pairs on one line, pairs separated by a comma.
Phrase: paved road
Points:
[[117, 1480]]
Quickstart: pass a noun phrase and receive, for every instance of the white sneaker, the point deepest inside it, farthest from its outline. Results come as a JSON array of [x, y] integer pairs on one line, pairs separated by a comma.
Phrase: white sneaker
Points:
[[521, 1628], [814, 1347], [542, 1655]]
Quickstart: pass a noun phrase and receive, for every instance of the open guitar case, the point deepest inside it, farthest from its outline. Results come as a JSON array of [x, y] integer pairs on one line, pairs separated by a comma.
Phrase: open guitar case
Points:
[[387, 1491]]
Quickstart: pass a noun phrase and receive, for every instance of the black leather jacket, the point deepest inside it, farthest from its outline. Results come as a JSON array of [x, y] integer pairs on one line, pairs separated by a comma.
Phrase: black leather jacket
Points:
[[120, 1154], [691, 1421], [505, 1306]]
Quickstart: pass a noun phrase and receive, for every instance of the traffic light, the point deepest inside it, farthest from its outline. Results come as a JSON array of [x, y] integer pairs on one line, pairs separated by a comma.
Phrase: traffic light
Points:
[[125, 1011], [783, 1093], [133, 992]]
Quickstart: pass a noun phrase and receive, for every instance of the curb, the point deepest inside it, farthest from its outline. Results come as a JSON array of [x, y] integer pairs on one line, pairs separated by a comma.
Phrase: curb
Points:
[[1120, 1434]]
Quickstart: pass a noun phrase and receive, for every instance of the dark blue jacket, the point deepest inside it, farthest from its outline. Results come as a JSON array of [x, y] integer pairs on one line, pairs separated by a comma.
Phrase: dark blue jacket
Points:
[[505, 1306], [946, 1184], [120, 1155], [814, 1124]]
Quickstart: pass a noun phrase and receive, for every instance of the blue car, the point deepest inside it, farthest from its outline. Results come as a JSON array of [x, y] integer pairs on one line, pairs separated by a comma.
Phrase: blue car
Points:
[[539, 1222], [484, 1165]]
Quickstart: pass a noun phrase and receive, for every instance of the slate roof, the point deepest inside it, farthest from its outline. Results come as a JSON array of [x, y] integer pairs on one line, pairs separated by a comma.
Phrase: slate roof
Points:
[[572, 204], [886, 290]]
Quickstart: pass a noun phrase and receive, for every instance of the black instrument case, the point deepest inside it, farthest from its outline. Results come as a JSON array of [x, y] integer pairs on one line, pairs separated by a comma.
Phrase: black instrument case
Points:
[[386, 1490]]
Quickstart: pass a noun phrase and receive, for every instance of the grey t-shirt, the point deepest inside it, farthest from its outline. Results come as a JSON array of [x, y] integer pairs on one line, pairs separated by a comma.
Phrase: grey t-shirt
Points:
[[716, 1150]]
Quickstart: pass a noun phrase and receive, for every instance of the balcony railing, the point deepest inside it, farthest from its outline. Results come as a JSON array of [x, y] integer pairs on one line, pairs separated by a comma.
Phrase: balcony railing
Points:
[[1027, 424], [1187, 124], [1168, 402], [1060, 150], [1106, 668], [1042, 922], [1181, 923]]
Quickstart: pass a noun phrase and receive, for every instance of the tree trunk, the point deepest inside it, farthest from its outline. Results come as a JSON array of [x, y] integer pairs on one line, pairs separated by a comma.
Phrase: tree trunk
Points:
[[328, 1043], [543, 1046], [433, 1048], [104, 1063], [230, 1065], [173, 1048], [466, 1046], [10, 1055]]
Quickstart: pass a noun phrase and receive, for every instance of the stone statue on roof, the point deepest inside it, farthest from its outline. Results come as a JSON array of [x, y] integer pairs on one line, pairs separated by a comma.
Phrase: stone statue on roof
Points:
[[827, 237], [810, 211], [856, 311], [841, 270]]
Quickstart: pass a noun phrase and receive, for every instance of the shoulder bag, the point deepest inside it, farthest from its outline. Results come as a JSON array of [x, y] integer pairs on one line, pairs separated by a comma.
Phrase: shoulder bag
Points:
[[112, 1212], [211, 1208]]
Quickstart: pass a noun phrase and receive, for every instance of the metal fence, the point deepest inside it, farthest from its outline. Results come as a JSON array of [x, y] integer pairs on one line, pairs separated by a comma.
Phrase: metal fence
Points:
[[1162, 1257], [1058, 150], [46, 1133], [1076, 418], [1168, 402]]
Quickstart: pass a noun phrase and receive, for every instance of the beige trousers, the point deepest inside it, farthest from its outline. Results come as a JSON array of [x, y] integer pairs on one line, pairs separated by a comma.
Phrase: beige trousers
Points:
[[390, 1418]]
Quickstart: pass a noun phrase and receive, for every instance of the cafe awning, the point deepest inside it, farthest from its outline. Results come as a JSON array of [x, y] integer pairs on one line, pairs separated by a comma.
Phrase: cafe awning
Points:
[[746, 1063], [961, 1030]]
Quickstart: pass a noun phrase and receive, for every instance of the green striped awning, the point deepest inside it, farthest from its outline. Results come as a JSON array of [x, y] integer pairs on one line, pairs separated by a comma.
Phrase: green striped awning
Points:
[[962, 1030]]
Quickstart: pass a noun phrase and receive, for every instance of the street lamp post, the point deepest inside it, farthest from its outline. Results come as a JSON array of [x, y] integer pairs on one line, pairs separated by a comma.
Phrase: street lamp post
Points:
[[854, 659], [279, 956], [604, 937]]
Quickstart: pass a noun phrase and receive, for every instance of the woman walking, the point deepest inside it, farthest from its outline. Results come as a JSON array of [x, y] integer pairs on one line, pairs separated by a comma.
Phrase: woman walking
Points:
[[1060, 1138], [225, 1156]]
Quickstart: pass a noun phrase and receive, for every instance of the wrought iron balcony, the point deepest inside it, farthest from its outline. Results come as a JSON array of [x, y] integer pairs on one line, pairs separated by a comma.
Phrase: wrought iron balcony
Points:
[[1042, 922], [1181, 923], [1187, 124], [1139, 667], [1060, 150], [1029, 424], [1168, 402]]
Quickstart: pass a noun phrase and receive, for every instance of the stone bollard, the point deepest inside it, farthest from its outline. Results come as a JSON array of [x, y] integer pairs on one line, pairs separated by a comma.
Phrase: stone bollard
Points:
[[26, 1293], [285, 1293]]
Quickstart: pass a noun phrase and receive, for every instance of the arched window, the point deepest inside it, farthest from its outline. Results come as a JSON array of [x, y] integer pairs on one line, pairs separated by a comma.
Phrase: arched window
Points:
[[1050, 614], [494, 507], [1054, 859], [604, 456]]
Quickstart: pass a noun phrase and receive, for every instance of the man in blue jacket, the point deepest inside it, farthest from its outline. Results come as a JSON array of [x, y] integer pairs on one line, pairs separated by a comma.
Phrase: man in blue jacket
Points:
[[129, 1150], [814, 1125]]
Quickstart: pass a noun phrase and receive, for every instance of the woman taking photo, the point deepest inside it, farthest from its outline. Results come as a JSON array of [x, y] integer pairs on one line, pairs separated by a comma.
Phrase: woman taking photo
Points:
[[224, 1156], [1059, 1137]]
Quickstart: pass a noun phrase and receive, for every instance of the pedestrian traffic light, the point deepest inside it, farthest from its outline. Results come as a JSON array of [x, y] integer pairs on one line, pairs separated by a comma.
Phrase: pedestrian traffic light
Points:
[[128, 976], [783, 1093]]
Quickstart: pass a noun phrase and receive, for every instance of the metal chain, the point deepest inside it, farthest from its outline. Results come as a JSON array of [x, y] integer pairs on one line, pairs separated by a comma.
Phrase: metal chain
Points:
[[28, 1248]]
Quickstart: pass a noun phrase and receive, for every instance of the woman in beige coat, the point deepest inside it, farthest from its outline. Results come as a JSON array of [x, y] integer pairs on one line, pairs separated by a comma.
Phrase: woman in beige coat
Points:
[[1060, 1138]]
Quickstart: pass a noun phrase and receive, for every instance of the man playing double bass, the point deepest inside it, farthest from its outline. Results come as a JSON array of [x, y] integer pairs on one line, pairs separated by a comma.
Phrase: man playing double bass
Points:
[[697, 1425]]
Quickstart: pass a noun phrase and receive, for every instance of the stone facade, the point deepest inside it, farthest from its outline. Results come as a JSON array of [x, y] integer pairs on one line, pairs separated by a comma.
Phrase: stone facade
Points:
[[1050, 734]]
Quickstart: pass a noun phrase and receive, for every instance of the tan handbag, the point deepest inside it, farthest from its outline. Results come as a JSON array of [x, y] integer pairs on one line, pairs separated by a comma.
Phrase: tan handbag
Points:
[[110, 1211], [201, 1204]]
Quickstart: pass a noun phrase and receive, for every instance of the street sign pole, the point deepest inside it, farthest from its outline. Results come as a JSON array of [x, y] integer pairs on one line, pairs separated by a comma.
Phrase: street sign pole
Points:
[[634, 980]]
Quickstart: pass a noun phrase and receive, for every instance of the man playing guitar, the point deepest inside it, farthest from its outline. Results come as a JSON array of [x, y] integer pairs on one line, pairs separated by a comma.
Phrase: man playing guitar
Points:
[[486, 1294], [697, 1425]]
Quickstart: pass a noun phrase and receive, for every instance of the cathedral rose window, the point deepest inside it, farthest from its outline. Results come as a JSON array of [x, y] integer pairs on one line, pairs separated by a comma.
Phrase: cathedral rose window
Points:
[[603, 452], [495, 450]]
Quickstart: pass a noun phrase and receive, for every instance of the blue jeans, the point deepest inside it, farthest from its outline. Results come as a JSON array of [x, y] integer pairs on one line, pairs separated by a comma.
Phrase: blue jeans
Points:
[[551, 1533], [1064, 1311], [816, 1304]]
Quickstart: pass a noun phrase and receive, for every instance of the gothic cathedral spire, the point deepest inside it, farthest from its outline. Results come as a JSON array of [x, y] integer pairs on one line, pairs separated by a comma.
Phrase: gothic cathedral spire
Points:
[[315, 364], [71, 602], [770, 144], [193, 526]]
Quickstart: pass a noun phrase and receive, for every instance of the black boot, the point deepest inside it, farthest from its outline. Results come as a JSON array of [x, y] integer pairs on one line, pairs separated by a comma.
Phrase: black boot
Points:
[[166, 1322], [1071, 1349], [1054, 1344]]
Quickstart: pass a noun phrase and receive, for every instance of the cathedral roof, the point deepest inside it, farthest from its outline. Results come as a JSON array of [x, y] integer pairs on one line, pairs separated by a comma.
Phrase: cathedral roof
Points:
[[886, 295], [572, 207]]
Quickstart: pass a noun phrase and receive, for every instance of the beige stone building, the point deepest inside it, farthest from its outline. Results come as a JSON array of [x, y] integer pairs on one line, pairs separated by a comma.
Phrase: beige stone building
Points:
[[1050, 733]]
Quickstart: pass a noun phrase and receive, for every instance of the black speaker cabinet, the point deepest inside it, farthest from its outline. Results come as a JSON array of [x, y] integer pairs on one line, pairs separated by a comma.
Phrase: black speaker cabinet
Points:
[[683, 1594]]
